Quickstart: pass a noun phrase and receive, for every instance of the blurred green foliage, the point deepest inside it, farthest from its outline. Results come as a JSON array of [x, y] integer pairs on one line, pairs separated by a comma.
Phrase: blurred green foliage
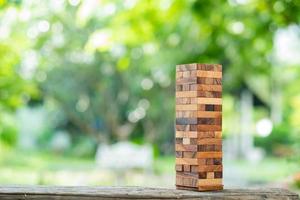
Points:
[[108, 67]]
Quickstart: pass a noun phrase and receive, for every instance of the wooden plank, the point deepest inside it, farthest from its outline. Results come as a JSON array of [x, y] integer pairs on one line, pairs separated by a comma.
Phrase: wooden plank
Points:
[[186, 107], [190, 80], [209, 127], [209, 114], [192, 113], [186, 94], [211, 154], [181, 147], [186, 100], [214, 101], [210, 175], [109, 193], [186, 161], [209, 81], [209, 67], [189, 134], [208, 182], [185, 67], [209, 74], [210, 168], [186, 141], [201, 87], [206, 134], [209, 94], [218, 134], [208, 141]]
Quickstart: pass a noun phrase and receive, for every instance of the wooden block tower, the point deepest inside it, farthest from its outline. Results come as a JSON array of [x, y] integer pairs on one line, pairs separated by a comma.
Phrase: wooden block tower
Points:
[[199, 127]]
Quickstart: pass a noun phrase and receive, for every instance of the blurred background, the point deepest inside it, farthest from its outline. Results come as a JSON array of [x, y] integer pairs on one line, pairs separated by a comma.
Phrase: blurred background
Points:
[[87, 89]]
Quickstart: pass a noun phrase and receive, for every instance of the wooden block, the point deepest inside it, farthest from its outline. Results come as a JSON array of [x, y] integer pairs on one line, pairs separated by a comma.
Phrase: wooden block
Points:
[[186, 94], [209, 161], [190, 80], [188, 154], [209, 154], [209, 74], [184, 127], [186, 74], [218, 107], [214, 88], [218, 174], [179, 180], [206, 147], [186, 100], [186, 134], [186, 168], [186, 141], [201, 161], [179, 168], [208, 81], [217, 161], [178, 154], [178, 140], [209, 168], [186, 114], [210, 94], [182, 121], [193, 127], [213, 101], [210, 175], [209, 114], [186, 161], [218, 134], [209, 182], [179, 75], [208, 121], [218, 147], [209, 127], [185, 67], [202, 175], [186, 87], [186, 107], [208, 141], [181, 147], [194, 168], [209, 67], [206, 134]]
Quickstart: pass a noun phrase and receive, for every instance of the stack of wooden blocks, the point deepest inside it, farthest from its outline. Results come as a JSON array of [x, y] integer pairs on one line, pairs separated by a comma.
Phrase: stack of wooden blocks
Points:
[[199, 127]]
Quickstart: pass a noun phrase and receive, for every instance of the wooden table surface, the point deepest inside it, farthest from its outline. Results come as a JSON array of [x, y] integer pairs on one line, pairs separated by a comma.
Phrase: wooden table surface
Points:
[[93, 193]]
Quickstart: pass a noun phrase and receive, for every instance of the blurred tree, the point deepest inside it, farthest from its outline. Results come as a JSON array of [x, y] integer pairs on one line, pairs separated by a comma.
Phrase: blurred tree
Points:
[[14, 89], [109, 65]]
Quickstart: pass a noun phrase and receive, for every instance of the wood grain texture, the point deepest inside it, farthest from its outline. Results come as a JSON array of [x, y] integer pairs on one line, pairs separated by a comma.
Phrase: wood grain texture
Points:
[[210, 168], [189, 134], [209, 74], [199, 111], [113, 193], [186, 161], [187, 107], [211, 154], [181, 147], [215, 101]]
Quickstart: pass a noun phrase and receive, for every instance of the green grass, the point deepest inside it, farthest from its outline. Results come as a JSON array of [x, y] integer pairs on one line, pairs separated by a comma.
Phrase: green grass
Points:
[[268, 170], [19, 167]]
